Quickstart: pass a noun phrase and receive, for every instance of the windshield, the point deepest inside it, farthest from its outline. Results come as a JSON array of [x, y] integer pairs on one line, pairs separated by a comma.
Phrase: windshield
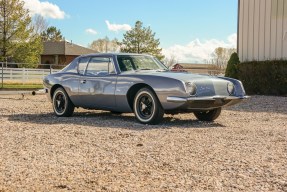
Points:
[[139, 62]]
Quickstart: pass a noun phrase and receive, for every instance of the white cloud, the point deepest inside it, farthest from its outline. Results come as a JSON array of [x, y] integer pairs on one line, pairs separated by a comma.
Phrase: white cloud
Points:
[[44, 9], [118, 27], [197, 51], [91, 31], [232, 39]]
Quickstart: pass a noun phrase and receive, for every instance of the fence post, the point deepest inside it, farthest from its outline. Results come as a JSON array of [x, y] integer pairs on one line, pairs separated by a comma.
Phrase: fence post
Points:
[[50, 69], [2, 84], [23, 74]]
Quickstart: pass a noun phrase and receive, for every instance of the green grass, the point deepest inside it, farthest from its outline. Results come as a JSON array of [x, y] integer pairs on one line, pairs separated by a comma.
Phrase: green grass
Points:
[[22, 86]]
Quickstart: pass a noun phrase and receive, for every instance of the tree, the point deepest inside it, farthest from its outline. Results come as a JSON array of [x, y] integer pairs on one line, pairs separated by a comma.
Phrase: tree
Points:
[[221, 56], [141, 40], [105, 45], [231, 69], [14, 26], [29, 52], [52, 34], [39, 24], [169, 61]]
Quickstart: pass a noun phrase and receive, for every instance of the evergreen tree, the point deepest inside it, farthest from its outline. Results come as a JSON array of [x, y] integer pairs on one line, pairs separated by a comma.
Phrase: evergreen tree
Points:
[[52, 34], [231, 69], [141, 40]]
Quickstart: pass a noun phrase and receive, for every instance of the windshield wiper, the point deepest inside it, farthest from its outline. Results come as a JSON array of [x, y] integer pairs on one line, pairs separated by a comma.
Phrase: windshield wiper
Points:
[[145, 69]]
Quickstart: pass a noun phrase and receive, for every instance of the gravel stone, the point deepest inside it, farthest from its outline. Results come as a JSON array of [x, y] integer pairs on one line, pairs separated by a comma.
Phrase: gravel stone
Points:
[[245, 149]]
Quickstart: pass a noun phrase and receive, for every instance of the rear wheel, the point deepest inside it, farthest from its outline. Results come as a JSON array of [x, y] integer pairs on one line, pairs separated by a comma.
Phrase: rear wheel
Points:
[[62, 105], [147, 107], [210, 115]]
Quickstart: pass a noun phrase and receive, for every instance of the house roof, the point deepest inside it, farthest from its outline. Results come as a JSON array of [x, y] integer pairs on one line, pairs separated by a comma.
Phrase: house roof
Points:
[[64, 48]]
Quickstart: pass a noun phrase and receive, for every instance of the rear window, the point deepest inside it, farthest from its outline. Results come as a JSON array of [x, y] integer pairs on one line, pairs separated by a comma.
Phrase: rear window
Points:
[[71, 68], [83, 65]]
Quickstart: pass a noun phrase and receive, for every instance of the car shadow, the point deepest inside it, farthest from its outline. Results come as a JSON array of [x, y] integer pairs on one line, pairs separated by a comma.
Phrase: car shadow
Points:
[[109, 120]]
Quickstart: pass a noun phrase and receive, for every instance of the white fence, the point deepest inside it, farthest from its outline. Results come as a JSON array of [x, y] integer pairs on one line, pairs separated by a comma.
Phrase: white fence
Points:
[[10, 74], [24, 74]]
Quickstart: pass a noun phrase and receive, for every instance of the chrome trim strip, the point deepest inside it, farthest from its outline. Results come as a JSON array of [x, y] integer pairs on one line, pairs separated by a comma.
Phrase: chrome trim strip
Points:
[[213, 98], [176, 99]]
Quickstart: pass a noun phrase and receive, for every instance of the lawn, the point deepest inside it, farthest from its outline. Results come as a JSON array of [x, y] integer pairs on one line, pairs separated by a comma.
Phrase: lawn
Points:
[[22, 86]]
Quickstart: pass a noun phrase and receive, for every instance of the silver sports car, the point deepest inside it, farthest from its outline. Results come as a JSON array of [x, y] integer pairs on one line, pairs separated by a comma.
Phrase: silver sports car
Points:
[[126, 83]]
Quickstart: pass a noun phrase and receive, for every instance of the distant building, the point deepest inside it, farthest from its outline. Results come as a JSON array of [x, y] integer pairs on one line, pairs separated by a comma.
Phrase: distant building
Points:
[[262, 30], [62, 53], [196, 68], [177, 67]]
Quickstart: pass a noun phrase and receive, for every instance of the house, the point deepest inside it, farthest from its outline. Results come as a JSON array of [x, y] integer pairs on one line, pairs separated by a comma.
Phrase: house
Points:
[[196, 68], [262, 30], [62, 53]]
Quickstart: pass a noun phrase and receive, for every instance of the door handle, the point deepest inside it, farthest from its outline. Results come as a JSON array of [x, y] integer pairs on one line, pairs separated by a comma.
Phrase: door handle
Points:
[[83, 81]]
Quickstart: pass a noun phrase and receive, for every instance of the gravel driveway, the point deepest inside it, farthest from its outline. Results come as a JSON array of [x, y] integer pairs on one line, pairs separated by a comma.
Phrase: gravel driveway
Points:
[[245, 149]]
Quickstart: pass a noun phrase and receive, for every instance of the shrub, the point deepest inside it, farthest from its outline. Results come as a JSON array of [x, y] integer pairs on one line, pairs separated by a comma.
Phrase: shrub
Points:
[[264, 77], [231, 69]]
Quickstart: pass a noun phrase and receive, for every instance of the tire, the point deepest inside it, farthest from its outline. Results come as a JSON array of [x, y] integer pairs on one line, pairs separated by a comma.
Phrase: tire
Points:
[[147, 107], [210, 115], [62, 105]]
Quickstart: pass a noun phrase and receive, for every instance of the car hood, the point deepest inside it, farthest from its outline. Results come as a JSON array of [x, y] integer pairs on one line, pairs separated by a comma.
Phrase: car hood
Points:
[[183, 76], [206, 85]]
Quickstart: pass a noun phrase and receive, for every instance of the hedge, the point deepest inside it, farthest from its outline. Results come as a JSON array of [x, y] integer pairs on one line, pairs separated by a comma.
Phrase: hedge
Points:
[[264, 77]]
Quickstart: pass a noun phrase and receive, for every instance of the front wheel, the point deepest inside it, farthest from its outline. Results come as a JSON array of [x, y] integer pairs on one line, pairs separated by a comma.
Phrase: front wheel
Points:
[[147, 107], [210, 115], [62, 105]]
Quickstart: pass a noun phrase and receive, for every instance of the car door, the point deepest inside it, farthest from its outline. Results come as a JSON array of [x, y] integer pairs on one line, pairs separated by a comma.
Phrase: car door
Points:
[[97, 84]]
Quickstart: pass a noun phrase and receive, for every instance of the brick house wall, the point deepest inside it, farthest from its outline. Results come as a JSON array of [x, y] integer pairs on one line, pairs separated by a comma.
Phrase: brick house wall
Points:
[[57, 59]]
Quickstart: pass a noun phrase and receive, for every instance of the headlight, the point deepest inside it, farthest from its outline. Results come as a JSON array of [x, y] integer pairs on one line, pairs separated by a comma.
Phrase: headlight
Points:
[[190, 88], [230, 88]]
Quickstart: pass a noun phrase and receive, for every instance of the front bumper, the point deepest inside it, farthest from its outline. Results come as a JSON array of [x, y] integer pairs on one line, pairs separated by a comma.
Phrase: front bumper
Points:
[[206, 103]]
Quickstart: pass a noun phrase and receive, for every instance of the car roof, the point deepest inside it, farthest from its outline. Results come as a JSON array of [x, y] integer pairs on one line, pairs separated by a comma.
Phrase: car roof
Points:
[[111, 54]]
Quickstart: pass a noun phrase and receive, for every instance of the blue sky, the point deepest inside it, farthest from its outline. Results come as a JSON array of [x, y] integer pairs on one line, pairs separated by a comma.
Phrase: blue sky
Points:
[[181, 25]]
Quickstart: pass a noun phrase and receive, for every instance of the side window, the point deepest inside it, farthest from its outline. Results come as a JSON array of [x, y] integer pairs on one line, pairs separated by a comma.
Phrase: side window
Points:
[[82, 65], [100, 66], [125, 64]]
